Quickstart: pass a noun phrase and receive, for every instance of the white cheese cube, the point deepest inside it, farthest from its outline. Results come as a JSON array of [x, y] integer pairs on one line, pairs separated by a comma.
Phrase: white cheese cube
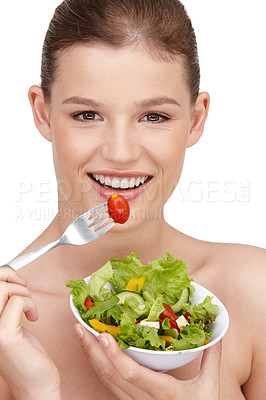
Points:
[[151, 324], [181, 321]]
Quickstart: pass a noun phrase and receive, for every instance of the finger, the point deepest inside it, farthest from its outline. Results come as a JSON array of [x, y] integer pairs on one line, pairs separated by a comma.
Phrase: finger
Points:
[[11, 316], [211, 363], [8, 290], [7, 274], [148, 381], [99, 362]]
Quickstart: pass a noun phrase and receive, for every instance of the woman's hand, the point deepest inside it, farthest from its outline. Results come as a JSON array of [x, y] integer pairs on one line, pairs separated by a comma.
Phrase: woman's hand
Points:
[[128, 380], [24, 364]]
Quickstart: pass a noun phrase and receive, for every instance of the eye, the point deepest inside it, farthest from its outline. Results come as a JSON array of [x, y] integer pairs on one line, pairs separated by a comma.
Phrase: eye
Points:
[[155, 118], [86, 116]]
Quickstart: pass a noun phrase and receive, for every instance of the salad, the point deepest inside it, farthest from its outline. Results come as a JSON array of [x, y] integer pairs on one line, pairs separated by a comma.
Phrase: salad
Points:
[[145, 306]]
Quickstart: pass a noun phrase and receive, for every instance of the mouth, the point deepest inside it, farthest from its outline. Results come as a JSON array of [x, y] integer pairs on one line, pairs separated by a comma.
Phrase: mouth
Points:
[[125, 183], [130, 186]]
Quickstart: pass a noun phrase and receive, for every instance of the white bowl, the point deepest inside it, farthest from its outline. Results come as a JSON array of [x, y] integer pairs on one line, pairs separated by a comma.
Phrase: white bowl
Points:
[[167, 360]]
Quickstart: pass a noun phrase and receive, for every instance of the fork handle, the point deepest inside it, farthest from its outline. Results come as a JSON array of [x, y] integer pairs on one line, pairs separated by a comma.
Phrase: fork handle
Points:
[[25, 259]]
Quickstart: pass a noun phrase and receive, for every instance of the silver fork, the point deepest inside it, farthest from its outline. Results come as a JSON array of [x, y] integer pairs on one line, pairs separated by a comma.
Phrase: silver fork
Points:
[[81, 231]]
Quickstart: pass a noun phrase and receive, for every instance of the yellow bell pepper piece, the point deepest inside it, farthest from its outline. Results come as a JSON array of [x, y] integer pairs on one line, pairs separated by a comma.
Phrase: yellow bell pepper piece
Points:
[[100, 326], [205, 342], [168, 339], [134, 284]]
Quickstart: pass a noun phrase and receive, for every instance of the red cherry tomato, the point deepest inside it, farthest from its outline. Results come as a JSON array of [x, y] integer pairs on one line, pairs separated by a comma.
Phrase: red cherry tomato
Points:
[[172, 323], [118, 208], [168, 313], [88, 303]]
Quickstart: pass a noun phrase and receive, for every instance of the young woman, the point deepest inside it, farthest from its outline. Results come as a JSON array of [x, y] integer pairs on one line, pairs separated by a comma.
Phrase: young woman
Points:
[[120, 101]]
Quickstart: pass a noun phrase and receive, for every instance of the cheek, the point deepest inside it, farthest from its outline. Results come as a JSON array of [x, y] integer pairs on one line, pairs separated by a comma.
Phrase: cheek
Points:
[[172, 155], [172, 152], [70, 151]]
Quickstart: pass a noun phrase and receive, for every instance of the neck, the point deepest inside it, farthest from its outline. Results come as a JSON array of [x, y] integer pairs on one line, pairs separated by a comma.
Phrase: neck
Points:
[[150, 239]]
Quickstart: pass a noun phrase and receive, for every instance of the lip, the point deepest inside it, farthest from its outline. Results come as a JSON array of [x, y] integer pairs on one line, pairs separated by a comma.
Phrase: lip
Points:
[[129, 194]]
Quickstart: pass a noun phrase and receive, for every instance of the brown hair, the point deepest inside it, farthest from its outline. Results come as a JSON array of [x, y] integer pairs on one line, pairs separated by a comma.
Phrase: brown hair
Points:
[[163, 27]]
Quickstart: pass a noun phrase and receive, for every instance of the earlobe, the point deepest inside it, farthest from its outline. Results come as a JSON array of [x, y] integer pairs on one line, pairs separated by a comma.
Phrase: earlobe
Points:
[[40, 111], [199, 116]]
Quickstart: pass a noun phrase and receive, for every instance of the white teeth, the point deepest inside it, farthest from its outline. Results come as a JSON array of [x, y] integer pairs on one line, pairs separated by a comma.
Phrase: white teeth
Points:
[[123, 183], [138, 182], [115, 183], [108, 181], [132, 183]]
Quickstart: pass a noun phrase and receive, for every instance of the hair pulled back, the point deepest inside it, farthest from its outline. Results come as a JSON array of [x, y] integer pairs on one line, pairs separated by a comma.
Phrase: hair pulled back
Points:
[[163, 27]]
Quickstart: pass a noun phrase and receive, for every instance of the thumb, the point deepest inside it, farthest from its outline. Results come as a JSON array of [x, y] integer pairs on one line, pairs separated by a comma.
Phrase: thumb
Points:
[[211, 363]]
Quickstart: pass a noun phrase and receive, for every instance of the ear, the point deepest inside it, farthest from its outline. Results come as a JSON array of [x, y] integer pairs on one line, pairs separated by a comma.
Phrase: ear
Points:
[[199, 116], [40, 111]]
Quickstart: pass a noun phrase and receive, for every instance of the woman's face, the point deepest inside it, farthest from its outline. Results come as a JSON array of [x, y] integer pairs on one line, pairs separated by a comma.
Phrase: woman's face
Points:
[[120, 122]]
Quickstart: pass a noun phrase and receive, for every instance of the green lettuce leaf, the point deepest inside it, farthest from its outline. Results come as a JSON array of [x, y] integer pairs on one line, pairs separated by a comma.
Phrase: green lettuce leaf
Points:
[[205, 312], [168, 330], [156, 309], [206, 308], [80, 293], [131, 308], [191, 336], [168, 277], [98, 280], [139, 336], [125, 268], [100, 309]]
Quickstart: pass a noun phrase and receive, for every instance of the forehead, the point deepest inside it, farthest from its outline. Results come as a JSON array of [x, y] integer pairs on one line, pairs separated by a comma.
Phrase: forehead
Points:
[[107, 72]]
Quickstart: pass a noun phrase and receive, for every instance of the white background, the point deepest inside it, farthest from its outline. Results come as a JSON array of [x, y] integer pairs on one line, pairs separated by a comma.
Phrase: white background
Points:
[[221, 196]]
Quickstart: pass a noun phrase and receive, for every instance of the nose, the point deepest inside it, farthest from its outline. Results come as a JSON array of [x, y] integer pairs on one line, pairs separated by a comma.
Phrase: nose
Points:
[[121, 144]]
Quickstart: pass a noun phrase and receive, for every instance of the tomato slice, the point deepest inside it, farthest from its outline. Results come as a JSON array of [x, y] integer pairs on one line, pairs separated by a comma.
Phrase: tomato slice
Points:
[[172, 323], [168, 313], [88, 303], [187, 315], [118, 208]]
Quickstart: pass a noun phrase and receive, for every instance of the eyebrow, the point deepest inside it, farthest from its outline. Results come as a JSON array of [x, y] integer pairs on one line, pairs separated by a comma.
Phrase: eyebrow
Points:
[[154, 101], [82, 100], [158, 101]]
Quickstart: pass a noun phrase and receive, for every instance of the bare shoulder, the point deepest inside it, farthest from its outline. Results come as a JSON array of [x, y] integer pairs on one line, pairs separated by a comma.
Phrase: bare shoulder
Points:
[[246, 264], [235, 271], [242, 254], [222, 265], [235, 261]]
